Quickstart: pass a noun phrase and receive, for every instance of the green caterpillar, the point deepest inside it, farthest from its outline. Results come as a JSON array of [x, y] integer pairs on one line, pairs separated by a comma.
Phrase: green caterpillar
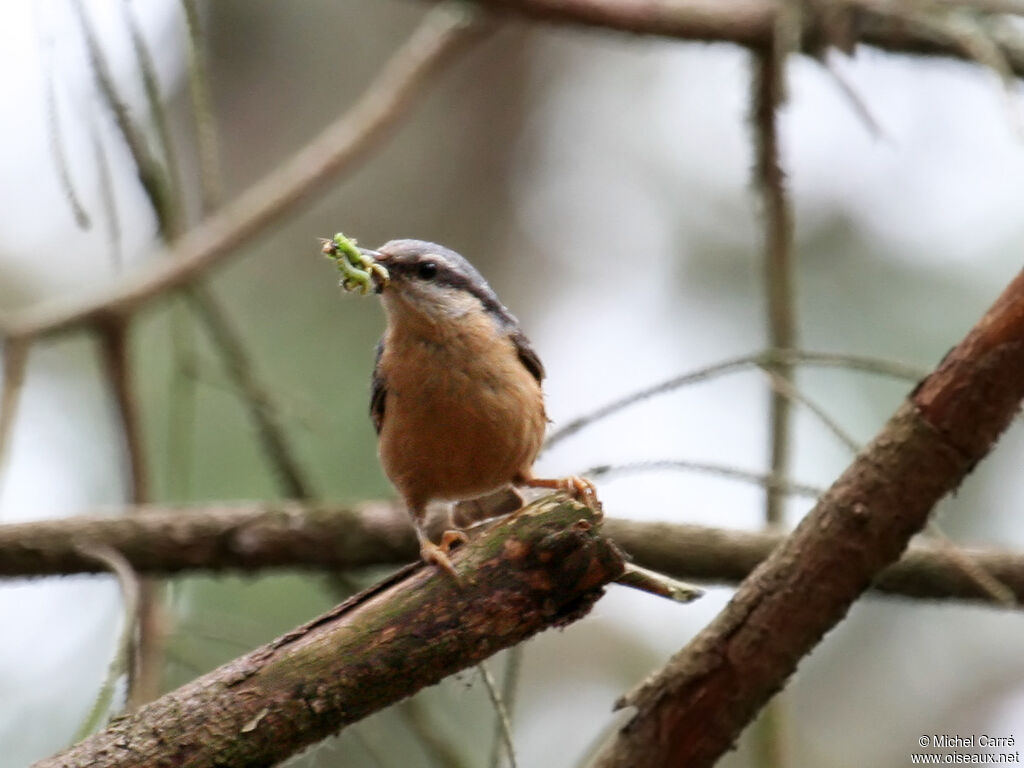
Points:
[[357, 268]]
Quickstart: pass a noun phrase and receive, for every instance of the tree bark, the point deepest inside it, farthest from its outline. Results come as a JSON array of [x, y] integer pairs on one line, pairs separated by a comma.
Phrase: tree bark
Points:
[[544, 566]]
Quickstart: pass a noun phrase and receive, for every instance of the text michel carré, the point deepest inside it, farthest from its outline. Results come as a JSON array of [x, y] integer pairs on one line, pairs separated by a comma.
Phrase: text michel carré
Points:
[[946, 740]]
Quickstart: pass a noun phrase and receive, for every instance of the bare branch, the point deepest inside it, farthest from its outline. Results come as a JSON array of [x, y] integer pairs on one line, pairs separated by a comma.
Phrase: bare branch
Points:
[[768, 357], [172, 217], [162, 540], [202, 110], [114, 343], [752, 23], [144, 675], [778, 267], [541, 568]]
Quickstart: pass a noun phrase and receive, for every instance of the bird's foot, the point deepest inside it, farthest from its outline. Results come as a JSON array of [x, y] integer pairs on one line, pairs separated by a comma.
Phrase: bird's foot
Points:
[[578, 487], [437, 554], [582, 489]]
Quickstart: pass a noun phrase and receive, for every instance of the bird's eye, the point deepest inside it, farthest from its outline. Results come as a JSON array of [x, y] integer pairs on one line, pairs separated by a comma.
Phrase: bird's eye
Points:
[[427, 270]]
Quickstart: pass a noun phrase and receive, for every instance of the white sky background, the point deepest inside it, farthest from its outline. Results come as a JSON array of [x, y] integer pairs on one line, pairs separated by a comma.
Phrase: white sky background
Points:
[[637, 160]]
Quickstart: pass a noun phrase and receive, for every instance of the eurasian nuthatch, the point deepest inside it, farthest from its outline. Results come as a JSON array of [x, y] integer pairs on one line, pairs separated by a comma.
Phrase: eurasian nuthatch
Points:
[[456, 398]]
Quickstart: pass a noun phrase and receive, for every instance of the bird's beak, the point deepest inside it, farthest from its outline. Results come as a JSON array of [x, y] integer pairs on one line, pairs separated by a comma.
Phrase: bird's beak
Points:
[[378, 276]]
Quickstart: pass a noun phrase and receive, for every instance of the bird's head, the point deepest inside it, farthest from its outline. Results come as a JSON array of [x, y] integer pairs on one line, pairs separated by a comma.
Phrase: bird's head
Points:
[[428, 282]]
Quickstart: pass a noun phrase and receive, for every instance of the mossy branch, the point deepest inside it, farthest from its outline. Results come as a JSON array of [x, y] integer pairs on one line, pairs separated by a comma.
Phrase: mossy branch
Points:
[[544, 566]]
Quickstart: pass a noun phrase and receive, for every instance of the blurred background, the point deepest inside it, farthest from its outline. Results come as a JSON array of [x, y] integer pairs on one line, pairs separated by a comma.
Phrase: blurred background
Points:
[[602, 183]]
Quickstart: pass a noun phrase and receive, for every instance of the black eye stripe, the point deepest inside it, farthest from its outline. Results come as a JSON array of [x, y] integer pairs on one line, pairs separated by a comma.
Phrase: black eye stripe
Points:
[[453, 278]]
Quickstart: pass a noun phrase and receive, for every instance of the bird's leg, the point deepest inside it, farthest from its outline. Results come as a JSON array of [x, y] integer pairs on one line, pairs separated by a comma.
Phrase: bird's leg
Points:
[[434, 553], [577, 487]]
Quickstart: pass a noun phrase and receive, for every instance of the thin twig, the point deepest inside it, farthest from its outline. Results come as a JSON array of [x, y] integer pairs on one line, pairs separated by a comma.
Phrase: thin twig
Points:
[[173, 217], [417, 718], [976, 572], [181, 408], [152, 177], [107, 197], [878, 366], [144, 677], [57, 148], [181, 403], [793, 393], [767, 95], [509, 693], [764, 480], [121, 661], [853, 96], [999, 592], [114, 343], [504, 722], [779, 272], [202, 110]]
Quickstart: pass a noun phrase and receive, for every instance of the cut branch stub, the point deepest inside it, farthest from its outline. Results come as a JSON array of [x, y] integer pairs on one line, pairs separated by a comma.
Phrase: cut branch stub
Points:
[[544, 566]]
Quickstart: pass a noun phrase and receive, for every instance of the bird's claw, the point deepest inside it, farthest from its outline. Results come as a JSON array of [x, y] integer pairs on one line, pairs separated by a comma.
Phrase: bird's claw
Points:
[[450, 538], [437, 554], [578, 487], [582, 489]]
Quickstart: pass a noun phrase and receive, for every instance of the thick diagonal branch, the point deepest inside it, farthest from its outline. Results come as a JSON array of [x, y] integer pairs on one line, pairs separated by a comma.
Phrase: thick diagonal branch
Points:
[[543, 567], [691, 711]]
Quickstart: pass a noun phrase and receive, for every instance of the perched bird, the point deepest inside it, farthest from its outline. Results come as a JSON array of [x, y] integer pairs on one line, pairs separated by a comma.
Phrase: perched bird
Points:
[[456, 397]]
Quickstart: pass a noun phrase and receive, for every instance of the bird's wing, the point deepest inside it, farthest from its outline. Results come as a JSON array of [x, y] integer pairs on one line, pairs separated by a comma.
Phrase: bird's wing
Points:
[[378, 392], [526, 354]]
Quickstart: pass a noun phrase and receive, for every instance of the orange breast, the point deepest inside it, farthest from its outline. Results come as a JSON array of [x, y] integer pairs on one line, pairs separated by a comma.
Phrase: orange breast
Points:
[[463, 415]]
